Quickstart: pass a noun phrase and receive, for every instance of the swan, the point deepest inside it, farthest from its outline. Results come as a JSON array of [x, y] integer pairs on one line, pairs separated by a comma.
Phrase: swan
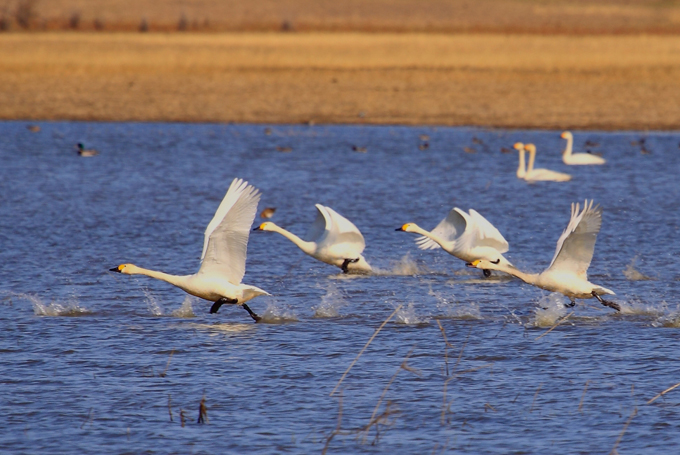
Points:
[[567, 273], [578, 158], [82, 151], [534, 175], [465, 236], [332, 239], [223, 261]]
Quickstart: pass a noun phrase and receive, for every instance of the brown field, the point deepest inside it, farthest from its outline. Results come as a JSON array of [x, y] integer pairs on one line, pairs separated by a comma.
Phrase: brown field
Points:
[[542, 81]]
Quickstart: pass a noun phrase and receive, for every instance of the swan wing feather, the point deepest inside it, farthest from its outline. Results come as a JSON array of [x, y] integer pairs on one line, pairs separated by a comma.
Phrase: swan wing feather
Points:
[[320, 226], [226, 237], [486, 234], [343, 237], [576, 245], [448, 229]]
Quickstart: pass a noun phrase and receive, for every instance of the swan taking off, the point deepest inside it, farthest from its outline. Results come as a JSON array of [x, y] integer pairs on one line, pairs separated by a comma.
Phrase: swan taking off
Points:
[[224, 254], [534, 175], [578, 158], [465, 236], [332, 239], [567, 273]]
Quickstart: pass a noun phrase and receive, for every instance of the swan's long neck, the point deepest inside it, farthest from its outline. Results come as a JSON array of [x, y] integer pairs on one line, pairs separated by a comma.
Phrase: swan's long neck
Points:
[[570, 144], [522, 169], [443, 243], [307, 247], [532, 157], [179, 281], [530, 278]]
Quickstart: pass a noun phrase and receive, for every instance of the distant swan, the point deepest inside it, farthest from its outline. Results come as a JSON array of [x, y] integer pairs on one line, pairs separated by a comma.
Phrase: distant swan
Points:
[[578, 158], [224, 254], [332, 239], [535, 175], [567, 273], [465, 236]]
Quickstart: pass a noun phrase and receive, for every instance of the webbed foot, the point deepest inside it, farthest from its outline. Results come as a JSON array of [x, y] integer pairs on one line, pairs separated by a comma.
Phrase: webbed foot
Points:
[[216, 306], [251, 313], [571, 304], [346, 263], [613, 305], [487, 273]]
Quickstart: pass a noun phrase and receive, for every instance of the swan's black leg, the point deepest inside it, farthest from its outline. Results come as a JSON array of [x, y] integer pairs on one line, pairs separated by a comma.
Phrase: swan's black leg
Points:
[[613, 305], [347, 262], [571, 303], [216, 306], [487, 273], [252, 315]]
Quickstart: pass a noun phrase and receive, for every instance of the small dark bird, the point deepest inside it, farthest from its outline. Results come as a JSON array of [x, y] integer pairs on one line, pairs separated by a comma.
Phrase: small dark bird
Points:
[[284, 149], [33, 128], [590, 143], [469, 150], [268, 212], [476, 140], [505, 150], [82, 151], [424, 146], [356, 148]]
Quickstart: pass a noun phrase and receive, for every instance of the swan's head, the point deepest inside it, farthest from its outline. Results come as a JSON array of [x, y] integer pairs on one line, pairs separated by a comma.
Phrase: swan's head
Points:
[[408, 227], [566, 135], [487, 265], [266, 226], [530, 147], [123, 268], [518, 146]]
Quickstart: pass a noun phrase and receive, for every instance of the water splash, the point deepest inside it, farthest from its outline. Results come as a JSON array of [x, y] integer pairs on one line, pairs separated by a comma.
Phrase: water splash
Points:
[[407, 315], [152, 304], [634, 275], [330, 304], [278, 314], [186, 310], [550, 309], [70, 308], [405, 266], [450, 308]]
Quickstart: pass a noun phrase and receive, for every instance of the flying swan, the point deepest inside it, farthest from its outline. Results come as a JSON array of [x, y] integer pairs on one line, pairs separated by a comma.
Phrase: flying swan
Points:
[[567, 273], [332, 239], [534, 175], [465, 236], [224, 254], [578, 158]]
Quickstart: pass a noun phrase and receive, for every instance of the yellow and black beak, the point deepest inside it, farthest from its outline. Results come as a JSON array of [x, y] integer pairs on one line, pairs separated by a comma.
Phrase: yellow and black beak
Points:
[[473, 263], [402, 228], [259, 228], [117, 269]]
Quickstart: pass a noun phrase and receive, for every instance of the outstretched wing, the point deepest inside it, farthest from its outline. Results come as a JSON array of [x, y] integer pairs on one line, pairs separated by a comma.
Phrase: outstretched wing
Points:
[[485, 234], [576, 245], [226, 237], [320, 226], [342, 237], [448, 229]]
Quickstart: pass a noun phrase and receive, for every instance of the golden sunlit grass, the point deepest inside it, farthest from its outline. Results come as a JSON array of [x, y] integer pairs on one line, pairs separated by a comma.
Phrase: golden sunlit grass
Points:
[[547, 81]]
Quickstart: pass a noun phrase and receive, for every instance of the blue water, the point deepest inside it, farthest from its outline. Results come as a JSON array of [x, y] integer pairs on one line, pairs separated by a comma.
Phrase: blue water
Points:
[[92, 361]]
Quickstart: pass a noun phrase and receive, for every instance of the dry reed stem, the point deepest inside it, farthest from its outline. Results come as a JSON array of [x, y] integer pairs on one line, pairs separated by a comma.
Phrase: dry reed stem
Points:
[[446, 347], [88, 419], [580, 404], [535, 395], [446, 360], [162, 375], [663, 393], [625, 427], [364, 348], [337, 427], [203, 412], [454, 376], [170, 407], [560, 321], [182, 418]]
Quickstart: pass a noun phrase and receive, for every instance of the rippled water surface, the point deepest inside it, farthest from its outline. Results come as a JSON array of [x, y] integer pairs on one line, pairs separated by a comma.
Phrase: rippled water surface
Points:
[[96, 361]]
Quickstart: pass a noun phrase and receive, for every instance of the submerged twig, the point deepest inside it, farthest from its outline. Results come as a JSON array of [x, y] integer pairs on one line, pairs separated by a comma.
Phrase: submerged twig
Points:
[[337, 427], [447, 345], [170, 407], [88, 419], [535, 395], [364, 348], [625, 427], [203, 412], [580, 404], [162, 375], [659, 395], [560, 321], [182, 419]]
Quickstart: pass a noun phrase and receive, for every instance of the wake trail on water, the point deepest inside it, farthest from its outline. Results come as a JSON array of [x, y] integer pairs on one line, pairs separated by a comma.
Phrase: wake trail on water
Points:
[[71, 307]]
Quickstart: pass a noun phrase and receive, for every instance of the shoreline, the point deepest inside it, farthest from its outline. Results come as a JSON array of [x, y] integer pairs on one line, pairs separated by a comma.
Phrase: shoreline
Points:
[[590, 82]]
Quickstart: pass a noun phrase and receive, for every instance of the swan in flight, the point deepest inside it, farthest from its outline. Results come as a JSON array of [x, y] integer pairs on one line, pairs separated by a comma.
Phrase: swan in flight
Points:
[[567, 273], [223, 261], [578, 158], [465, 236], [332, 239], [534, 175]]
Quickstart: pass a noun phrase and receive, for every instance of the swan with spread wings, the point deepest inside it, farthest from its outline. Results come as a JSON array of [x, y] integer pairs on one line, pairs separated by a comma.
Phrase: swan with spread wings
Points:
[[568, 271], [223, 261]]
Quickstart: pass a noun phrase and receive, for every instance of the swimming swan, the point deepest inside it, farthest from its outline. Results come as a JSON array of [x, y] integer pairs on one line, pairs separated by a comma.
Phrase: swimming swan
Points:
[[567, 273], [535, 175], [578, 158], [465, 236], [332, 239], [224, 254]]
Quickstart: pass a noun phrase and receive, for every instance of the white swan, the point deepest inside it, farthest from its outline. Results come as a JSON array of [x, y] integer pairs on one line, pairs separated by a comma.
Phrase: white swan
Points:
[[567, 273], [465, 236], [332, 239], [578, 158], [535, 175], [224, 254]]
